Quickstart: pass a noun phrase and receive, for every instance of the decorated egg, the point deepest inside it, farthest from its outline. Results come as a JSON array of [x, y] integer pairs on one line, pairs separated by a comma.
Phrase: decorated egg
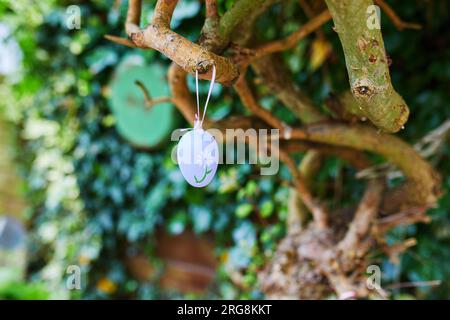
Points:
[[198, 157]]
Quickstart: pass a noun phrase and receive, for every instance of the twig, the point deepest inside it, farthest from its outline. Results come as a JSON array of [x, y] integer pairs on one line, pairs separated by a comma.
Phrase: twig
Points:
[[396, 20], [250, 102], [318, 211], [211, 8], [149, 101], [310, 14], [410, 216], [364, 217], [292, 40], [121, 41], [297, 212], [432, 283], [395, 250], [133, 16], [277, 77]]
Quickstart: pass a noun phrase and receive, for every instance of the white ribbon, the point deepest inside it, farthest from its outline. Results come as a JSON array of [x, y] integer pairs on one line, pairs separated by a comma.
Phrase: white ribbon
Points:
[[199, 124]]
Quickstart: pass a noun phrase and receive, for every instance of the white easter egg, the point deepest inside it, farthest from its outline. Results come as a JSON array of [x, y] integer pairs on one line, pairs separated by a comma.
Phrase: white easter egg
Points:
[[198, 157]]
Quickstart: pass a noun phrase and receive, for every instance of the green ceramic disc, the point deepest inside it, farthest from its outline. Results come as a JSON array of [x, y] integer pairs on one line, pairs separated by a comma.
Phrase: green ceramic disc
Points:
[[141, 126]]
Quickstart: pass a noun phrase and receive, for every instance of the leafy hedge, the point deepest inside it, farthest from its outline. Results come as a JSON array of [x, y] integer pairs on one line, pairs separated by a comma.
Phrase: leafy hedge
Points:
[[94, 198]]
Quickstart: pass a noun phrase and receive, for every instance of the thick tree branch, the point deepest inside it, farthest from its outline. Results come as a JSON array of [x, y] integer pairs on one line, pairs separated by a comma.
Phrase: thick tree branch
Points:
[[210, 36], [367, 64], [240, 11], [188, 55], [422, 187], [423, 182]]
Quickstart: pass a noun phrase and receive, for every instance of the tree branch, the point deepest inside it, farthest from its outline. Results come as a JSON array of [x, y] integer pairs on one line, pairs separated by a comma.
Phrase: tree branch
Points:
[[240, 11], [406, 217], [423, 182], [364, 218], [277, 77], [297, 211], [318, 211], [250, 102], [367, 64], [149, 101], [188, 55], [121, 41], [210, 36], [292, 40], [396, 20]]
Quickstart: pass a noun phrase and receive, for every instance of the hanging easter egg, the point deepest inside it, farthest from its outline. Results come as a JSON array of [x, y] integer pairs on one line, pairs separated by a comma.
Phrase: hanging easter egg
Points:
[[198, 157], [141, 126]]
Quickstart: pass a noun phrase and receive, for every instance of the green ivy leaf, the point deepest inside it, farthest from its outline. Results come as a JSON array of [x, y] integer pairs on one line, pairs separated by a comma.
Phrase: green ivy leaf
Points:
[[244, 210], [266, 209]]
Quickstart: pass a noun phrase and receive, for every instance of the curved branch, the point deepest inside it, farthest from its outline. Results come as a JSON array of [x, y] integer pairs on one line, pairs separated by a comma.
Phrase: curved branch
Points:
[[364, 218], [367, 64], [292, 40], [422, 187], [396, 20], [250, 102], [149, 101], [240, 11], [277, 77], [318, 211], [423, 182], [186, 54]]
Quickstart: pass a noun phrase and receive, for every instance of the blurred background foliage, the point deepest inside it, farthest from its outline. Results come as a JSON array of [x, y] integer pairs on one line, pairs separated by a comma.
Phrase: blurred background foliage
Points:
[[111, 206]]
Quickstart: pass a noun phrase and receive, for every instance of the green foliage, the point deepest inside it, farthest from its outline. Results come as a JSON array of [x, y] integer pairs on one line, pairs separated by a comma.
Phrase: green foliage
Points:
[[94, 197]]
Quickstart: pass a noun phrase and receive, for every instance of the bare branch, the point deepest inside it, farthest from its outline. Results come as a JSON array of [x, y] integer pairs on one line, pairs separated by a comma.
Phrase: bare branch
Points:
[[121, 41], [186, 54], [297, 212], [410, 216], [367, 65], [211, 8], [422, 187], [250, 102], [396, 20], [318, 211], [133, 16], [364, 217], [397, 249], [149, 101], [278, 78], [432, 283]]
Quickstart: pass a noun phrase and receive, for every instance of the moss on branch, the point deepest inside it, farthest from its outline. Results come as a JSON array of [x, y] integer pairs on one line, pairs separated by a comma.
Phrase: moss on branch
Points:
[[367, 64]]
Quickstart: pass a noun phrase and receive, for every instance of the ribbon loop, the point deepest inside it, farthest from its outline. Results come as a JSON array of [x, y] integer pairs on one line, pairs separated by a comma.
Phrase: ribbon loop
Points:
[[199, 123]]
